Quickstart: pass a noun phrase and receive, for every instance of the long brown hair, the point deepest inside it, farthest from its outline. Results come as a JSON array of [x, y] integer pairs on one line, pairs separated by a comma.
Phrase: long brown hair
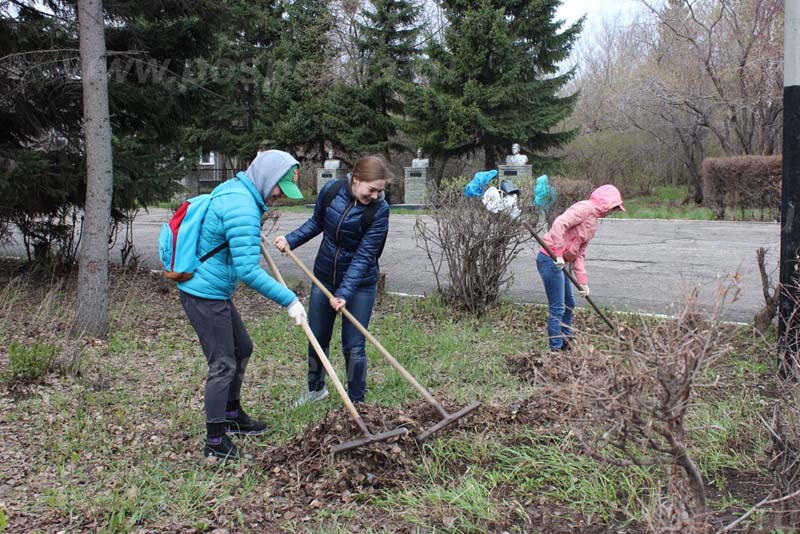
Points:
[[371, 168]]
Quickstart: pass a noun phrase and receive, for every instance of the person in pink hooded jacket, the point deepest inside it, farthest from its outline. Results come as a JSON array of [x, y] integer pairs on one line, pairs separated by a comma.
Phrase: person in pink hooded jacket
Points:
[[567, 240]]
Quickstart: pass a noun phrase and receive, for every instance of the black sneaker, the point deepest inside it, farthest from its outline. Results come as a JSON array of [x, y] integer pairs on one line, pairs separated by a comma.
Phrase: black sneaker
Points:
[[565, 346], [225, 449], [243, 425]]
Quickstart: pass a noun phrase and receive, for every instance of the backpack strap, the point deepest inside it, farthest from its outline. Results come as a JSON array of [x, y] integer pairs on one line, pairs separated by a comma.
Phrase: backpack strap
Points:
[[224, 244], [213, 251], [366, 221], [331, 193]]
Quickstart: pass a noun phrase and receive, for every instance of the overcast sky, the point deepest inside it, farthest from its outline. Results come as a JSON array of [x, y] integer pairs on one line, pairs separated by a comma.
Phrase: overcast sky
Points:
[[597, 10], [620, 12]]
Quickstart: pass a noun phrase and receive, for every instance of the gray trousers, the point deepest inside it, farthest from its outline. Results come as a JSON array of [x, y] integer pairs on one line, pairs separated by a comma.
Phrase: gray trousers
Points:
[[227, 347]]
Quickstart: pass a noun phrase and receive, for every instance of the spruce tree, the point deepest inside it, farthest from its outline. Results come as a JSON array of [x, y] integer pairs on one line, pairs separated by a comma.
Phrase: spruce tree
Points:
[[297, 112], [387, 47], [42, 173], [230, 85], [494, 80]]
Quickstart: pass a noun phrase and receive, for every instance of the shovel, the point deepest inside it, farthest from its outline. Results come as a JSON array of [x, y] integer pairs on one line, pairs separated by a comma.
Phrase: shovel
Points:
[[447, 417], [368, 436]]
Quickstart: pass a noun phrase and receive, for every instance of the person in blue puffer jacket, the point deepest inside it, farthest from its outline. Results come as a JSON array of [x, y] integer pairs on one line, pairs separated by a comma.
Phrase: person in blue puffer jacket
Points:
[[234, 217], [347, 263]]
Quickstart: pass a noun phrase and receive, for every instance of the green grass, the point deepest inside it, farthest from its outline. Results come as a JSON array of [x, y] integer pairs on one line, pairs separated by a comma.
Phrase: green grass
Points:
[[667, 202], [28, 364], [499, 477], [675, 202]]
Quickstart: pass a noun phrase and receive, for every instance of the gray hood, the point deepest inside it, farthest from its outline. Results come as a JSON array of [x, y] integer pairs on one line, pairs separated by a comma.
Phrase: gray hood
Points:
[[268, 168]]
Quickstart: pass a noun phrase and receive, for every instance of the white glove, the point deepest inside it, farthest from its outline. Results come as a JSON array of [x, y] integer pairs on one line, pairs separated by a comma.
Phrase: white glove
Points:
[[560, 262], [584, 290], [297, 312]]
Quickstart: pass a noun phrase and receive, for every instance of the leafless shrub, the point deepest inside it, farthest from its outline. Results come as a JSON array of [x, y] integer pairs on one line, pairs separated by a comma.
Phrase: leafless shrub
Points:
[[784, 465], [763, 318], [669, 510], [635, 397], [52, 238], [6, 226], [122, 224], [789, 328], [468, 247]]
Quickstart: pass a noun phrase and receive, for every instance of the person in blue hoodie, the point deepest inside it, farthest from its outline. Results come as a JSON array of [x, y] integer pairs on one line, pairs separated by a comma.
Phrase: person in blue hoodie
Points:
[[234, 217], [347, 264]]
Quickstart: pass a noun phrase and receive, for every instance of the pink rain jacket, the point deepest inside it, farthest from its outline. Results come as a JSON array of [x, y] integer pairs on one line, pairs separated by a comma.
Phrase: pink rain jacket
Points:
[[572, 230]]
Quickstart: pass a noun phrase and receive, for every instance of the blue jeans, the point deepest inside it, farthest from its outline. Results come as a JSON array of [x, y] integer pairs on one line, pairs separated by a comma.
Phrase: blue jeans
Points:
[[560, 301], [321, 318]]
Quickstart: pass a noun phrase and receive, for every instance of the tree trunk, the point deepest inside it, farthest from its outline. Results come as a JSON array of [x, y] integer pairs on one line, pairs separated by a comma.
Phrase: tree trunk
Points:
[[489, 156], [695, 479], [92, 316]]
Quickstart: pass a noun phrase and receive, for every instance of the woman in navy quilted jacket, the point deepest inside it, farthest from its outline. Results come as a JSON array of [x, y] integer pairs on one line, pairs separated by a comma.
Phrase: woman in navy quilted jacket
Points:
[[347, 263], [234, 217]]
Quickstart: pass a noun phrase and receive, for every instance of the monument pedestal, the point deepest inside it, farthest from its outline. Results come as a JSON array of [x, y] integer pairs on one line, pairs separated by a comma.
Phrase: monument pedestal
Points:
[[515, 172], [416, 185], [326, 175]]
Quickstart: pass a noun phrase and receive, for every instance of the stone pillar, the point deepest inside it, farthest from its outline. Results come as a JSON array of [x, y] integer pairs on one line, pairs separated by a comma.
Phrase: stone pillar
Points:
[[519, 174], [416, 185], [326, 175]]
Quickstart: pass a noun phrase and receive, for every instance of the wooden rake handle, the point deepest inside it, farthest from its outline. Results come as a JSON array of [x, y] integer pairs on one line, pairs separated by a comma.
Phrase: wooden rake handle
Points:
[[318, 349], [372, 339]]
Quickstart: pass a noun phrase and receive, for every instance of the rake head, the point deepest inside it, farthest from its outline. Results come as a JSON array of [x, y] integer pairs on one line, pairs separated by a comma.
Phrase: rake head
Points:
[[370, 438], [450, 418]]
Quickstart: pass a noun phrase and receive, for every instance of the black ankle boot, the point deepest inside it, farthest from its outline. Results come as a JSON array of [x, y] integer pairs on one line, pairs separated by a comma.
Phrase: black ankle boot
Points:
[[218, 444], [242, 424]]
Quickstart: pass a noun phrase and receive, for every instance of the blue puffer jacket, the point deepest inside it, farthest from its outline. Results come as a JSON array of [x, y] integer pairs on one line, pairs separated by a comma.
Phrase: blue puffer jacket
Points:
[[347, 258], [234, 216]]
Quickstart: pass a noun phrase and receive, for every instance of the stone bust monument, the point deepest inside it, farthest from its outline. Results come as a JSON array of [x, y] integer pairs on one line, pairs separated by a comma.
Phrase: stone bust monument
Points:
[[419, 161], [515, 158], [331, 163]]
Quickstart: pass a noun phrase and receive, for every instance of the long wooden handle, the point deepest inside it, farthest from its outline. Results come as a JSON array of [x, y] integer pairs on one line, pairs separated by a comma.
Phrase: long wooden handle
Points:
[[528, 226], [317, 347], [372, 339], [273, 267]]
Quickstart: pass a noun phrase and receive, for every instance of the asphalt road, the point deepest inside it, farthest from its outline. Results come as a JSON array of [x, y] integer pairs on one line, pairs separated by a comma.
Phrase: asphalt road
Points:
[[633, 264]]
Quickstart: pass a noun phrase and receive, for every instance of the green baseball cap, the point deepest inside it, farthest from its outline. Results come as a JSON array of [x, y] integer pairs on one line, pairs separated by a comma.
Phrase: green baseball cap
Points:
[[288, 186]]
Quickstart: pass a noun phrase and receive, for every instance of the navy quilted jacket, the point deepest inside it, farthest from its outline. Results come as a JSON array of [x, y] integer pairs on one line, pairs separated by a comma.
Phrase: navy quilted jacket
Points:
[[347, 258]]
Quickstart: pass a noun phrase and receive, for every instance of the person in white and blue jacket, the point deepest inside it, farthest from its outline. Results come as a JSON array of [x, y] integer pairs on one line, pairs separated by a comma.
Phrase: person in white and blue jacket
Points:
[[234, 217], [353, 217]]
